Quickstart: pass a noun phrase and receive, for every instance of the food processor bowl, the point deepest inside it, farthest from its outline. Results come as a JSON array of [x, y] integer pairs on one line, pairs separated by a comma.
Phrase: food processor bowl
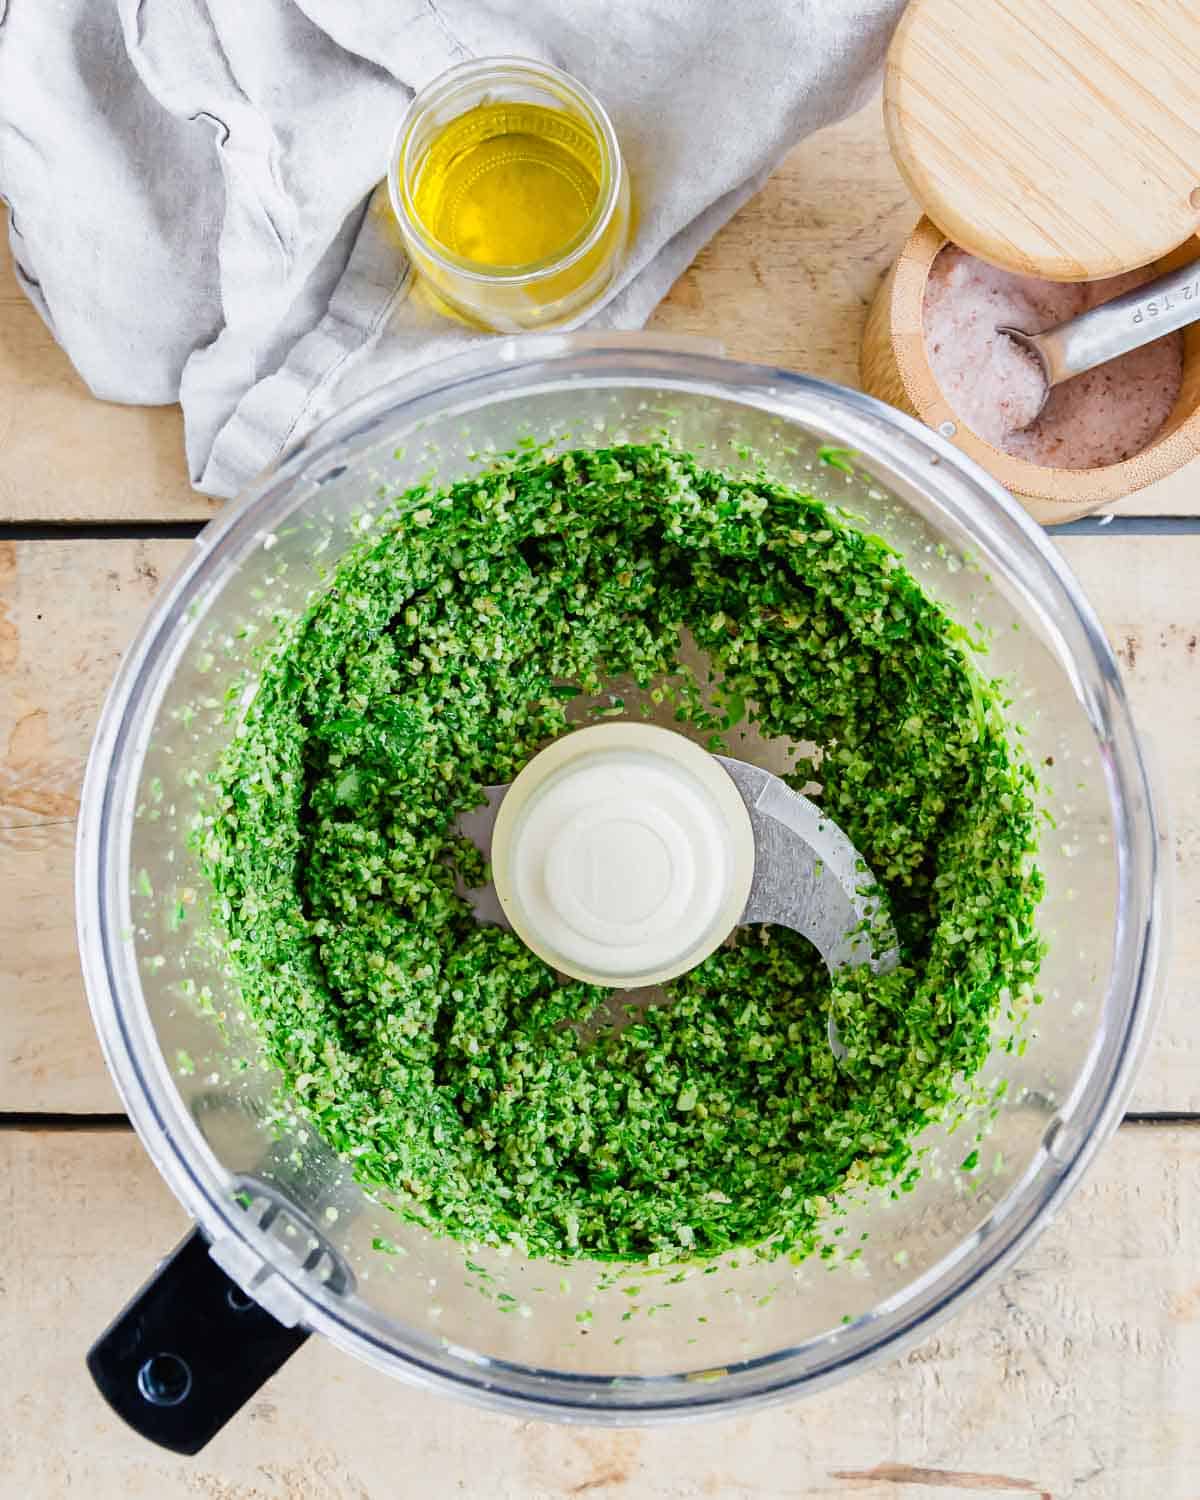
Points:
[[294, 1243]]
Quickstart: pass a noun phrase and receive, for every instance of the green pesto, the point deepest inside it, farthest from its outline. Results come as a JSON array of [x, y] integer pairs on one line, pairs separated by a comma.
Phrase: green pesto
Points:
[[445, 1061]]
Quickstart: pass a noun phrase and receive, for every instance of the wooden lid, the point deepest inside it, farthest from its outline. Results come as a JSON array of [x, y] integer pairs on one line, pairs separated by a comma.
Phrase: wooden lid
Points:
[[1056, 138]]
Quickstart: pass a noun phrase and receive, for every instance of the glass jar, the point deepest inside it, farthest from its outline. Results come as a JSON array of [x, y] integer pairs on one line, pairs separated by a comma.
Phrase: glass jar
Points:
[[540, 243]]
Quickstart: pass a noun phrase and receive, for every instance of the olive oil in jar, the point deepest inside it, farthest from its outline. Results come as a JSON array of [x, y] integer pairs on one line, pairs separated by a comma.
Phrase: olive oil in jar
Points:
[[508, 185], [510, 195]]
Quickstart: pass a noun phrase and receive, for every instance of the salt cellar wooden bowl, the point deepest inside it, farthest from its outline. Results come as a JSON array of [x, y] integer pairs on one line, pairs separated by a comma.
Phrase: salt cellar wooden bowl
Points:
[[895, 367]]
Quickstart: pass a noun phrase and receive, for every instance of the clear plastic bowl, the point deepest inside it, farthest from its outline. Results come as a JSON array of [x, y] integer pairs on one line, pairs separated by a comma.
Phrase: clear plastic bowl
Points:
[[304, 1247]]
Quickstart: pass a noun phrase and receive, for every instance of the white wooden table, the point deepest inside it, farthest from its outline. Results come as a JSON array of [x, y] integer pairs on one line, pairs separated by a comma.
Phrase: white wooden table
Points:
[[1077, 1376]]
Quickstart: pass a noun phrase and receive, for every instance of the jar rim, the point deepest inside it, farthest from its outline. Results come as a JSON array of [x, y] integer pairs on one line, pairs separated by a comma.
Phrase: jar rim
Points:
[[402, 166]]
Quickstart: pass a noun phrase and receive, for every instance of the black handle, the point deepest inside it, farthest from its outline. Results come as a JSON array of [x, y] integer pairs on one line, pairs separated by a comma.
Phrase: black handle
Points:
[[188, 1351]]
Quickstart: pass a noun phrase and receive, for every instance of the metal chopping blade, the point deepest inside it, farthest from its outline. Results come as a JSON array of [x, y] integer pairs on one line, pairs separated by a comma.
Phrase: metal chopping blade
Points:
[[807, 874]]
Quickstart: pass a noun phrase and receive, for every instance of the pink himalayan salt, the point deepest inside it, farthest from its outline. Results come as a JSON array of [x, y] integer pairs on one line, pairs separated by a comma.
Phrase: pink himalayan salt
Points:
[[1101, 417]]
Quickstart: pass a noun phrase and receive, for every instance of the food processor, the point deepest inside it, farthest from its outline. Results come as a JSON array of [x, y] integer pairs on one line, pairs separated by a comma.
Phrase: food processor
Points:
[[287, 1243]]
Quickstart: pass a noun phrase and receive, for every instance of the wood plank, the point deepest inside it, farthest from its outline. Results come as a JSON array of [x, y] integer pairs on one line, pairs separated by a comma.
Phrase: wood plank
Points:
[[787, 282], [68, 608], [1146, 599], [65, 456], [1074, 1376], [67, 612]]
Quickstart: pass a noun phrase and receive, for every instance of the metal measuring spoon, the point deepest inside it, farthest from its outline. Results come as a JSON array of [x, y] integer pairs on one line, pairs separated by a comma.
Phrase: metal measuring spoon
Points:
[[808, 876], [1138, 317]]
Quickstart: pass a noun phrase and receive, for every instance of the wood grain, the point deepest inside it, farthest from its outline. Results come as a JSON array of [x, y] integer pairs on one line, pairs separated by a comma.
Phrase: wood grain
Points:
[[69, 607], [65, 456], [67, 611], [789, 279], [1146, 598], [1056, 138], [1007, 1398]]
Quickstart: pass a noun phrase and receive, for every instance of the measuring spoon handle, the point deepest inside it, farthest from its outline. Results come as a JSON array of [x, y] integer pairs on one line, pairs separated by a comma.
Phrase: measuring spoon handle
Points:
[[1135, 318]]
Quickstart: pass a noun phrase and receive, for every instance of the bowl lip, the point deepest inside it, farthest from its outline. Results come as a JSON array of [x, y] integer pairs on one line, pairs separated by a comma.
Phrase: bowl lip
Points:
[[1043, 482], [908, 448]]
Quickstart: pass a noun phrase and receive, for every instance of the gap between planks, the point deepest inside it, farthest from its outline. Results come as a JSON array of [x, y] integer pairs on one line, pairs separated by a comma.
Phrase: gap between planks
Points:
[[102, 531], [60, 1120], [57, 1120], [145, 531]]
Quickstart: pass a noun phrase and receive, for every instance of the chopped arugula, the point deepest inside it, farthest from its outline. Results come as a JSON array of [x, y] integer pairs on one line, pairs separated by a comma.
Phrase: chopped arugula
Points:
[[455, 1070]]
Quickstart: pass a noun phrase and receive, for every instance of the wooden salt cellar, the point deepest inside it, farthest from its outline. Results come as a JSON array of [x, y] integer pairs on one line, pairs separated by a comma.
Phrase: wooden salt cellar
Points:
[[1053, 138]]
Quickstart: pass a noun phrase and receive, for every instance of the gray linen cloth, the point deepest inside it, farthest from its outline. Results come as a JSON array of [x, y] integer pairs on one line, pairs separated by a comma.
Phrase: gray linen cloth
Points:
[[192, 183]]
